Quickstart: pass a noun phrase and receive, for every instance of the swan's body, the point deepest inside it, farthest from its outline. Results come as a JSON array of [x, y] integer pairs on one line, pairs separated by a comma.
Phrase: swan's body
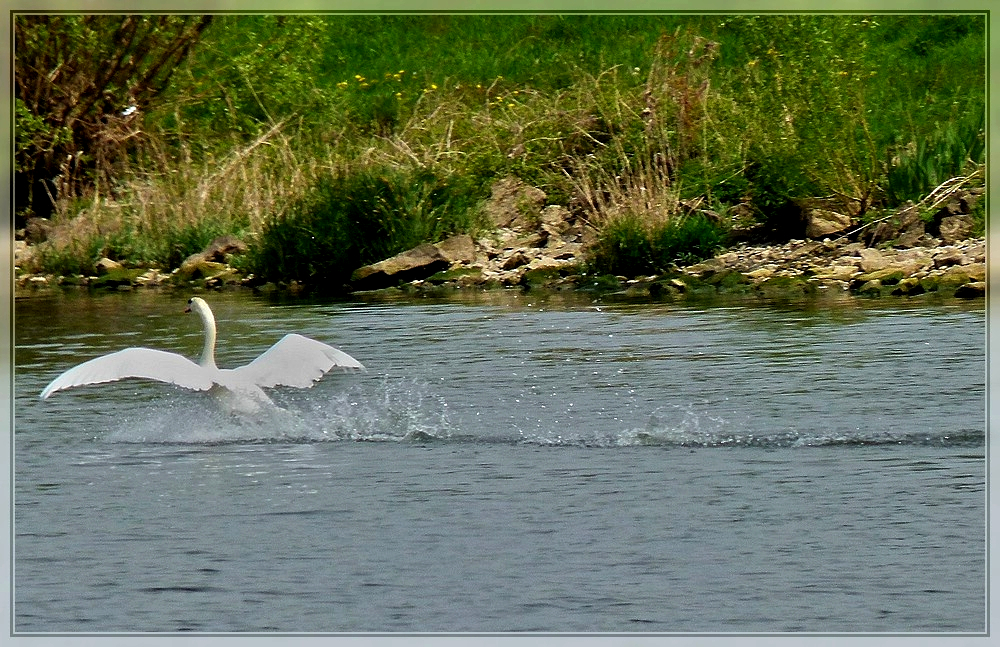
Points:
[[294, 361]]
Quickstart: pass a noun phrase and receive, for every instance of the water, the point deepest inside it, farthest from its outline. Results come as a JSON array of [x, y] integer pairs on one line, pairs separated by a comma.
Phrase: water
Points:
[[517, 463]]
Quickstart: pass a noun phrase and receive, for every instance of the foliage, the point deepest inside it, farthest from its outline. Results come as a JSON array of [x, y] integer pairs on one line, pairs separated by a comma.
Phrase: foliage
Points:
[[628, 246], [80, 83], [272, 120], [947, 153], [366, 215]]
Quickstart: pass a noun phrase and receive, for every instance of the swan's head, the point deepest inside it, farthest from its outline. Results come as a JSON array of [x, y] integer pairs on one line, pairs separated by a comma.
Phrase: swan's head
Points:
[[198, 305]]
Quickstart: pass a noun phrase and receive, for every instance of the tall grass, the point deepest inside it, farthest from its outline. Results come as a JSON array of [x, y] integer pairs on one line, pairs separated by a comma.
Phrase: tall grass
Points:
[[329, 141], [927, 163], [170, 205], [358, 217]]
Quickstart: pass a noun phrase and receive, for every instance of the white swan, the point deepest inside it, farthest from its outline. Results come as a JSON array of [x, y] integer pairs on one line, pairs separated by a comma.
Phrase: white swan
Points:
[[294, 361]]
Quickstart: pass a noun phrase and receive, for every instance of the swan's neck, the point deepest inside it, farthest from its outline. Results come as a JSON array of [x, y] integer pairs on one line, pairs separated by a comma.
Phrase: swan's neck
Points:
[[208, 353]]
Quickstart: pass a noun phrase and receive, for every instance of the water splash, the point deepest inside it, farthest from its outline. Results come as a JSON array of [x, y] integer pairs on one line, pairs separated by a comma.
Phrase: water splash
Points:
[[686, 426], [697, 425], [407, 410], [393, 410]]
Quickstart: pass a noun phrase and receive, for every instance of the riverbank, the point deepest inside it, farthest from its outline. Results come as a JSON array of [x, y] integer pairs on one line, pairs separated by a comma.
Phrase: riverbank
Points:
[[511, 260], [917, 250]]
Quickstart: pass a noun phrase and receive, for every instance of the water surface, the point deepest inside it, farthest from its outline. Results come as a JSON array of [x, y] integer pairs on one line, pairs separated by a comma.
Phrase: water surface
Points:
[[514, 463]]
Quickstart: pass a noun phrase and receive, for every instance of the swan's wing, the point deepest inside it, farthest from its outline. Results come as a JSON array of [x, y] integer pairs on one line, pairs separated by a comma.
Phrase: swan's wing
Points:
[[294, 361], [135, 362]]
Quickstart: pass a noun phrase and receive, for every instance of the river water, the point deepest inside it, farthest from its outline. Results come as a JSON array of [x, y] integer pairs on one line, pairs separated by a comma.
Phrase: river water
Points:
[[510, 463]]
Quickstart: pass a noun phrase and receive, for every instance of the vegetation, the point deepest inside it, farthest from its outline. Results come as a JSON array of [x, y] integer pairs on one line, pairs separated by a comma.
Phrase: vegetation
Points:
[[349, 219], [80, 80], [332, 141]]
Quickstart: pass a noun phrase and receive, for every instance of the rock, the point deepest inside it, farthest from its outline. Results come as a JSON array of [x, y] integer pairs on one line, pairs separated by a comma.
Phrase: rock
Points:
[[706, 268], [971, 290], [541, 273], [959, 274], [905, 219], [105, 266], [801, 249], [913, 260], [219, 249], [461, 275], [908, 217], [224, 246], [36, 230], [193, 270], [567, 251], [872, 260], [975, 271], [414, 264], [911, 237], [761, 273], [882, 232], [822, 222], [535, 239], [852, 248], [545, 263], [785, 286], [728, 280], [513, 204], [885, 276], [969, 199], [837, 272], [555, 220], [975, 253], [149, 277], [955, 228], [678, 285], [23, 254], [909, 286], [871, 288], [515, 260], [458, 249], [119, 278], [949, 256]]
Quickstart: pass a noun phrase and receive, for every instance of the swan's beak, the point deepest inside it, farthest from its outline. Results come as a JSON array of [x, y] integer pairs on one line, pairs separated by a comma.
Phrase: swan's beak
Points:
[[188, 308]]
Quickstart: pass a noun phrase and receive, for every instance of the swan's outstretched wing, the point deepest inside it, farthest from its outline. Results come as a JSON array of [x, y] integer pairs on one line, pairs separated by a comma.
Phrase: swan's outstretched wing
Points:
[[135, 362], [294, 361]]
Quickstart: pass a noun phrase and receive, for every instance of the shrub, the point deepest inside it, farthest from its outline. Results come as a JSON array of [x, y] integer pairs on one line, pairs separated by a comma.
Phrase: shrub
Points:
[[685, 241], [360, 217], [628, 246], [623, 247], [939, 157]]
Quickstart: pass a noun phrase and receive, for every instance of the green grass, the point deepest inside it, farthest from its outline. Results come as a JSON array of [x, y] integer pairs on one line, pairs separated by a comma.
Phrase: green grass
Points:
[[331, 141], [629, 246], [347, 221]]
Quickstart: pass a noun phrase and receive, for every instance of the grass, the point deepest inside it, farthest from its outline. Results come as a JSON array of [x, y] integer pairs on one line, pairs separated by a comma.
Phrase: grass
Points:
[[630, 246], [356, 218], [328, 142]]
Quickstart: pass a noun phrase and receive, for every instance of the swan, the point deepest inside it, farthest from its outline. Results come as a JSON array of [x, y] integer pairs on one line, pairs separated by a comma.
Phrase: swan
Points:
[[294, 360]]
